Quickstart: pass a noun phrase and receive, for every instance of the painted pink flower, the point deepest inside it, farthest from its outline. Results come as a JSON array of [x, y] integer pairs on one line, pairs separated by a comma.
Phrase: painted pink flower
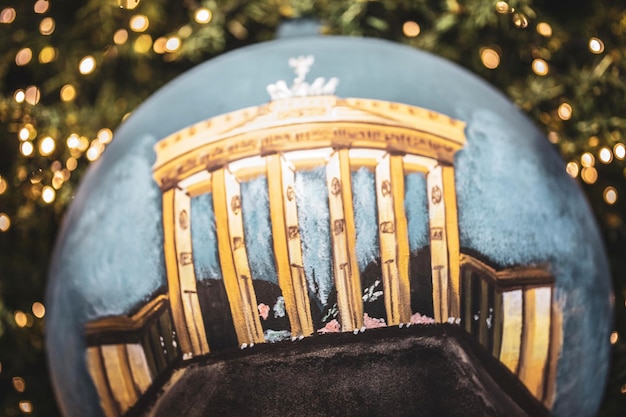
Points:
[[264, 310], [373, 322], [332, 326], [417, 318]]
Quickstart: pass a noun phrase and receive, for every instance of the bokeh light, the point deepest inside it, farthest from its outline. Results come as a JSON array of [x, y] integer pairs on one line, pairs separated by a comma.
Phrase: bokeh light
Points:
[[587, 159], [105, 135], [68, 92], [605, 155], [7, 15], [540, 67], [26, 148], [47, 54], [610, 195], [572, 169], [48, 194], [39, 310], [565, 111], [411, 29], [47, 25], [620, 151], [18, 383], [120, 37], [202, 15], [19, 96], [41, 6], [20, 318], [502, 7], [172, 44], [3, 185], [589, 175], [32, 95], [544, 29], [23, 56], [490, 58], [5, 222], [139, 23], [87, 65], [596, 46]]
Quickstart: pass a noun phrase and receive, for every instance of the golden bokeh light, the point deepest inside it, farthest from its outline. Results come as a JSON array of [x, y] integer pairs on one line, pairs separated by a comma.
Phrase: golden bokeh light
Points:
[[565, 111], [553, 136], [411, 29], [605, 155], [610, 195], [589, 175], [5, 222], [73, 142], [23, 56], [520, 20], [139, 23], [20, 318], [490, 58], [572, 169], [26, 148], [128, 4], [47, 145], [143, 44], [7, 15], [544, 29], [87, 65], [18, 383], [58, 179], [32, 95], [26, 407], [502, 7], [19, 96], [48, 194], [596, 46], [587, 159], [3, 185], [47, 25], [105, 135], [623, 389], [614, 338], [540, 67], [71, 163], [39, 310], [159, 45], [172, 44], [202, 15], [47, 54], [620, 151], [41, 6], [593, 141], [67, 93], [120, 37], [24, 133], [95, 150]]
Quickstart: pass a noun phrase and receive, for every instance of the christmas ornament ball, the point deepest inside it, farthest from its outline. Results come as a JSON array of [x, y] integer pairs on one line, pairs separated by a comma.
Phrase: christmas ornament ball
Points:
[[304, 189]]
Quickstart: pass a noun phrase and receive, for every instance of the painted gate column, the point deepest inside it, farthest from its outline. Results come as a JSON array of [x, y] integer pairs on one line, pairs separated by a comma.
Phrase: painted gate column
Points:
[[393, 237], [444, 243], [181, 278], [287, 245], [342, 227], [234, 259]]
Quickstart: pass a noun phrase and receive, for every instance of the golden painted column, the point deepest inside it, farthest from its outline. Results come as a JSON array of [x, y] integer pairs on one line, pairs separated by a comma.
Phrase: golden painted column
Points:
[[393, 237], [234, 259], [287, 245], [181, 277], [342, 229]]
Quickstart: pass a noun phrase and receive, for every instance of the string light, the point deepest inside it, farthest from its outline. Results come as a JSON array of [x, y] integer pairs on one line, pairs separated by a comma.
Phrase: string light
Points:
[[540, 67], [143, 44], [23, 56], [5, 222], [26, 407], [47, 54], [71, 163], [47, 25], [610, 195], [20, 318], [565, 111], [39, 310], [48, 194], [490, 58], [19, 96], [120, 36], [605, 155], [3, 185], [620, 151], [159, 45], [139, 23], [47, 146], [572, 169], [587, 159], [596, 46], [172, 44], [24, 133], [105, 136], [18, 383], [203, 15], [544, 29], [7, 15], [411, 29], [87, 65], [41, 6], [32, 95], [589, 175], [67, 93], [502, 7], [26, 148]]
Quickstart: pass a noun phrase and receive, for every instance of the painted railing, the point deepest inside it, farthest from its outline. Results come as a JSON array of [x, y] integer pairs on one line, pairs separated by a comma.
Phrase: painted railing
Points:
[[127, 355]]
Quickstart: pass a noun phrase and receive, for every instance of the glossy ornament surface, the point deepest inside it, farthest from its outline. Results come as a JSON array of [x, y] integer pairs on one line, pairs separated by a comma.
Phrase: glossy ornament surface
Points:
[[384, 187]]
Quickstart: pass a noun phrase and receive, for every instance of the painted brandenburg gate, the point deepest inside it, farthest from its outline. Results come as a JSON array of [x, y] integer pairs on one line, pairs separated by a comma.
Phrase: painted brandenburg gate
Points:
[[306, 127]]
